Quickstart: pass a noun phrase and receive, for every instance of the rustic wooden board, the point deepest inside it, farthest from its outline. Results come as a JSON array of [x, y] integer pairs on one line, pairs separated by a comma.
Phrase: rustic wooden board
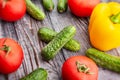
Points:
[[25, 32]]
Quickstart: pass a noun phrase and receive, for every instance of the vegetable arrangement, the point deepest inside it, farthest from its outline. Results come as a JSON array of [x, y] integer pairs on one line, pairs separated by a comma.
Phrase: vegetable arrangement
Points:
[[103, 36], [16, 12], [73, 68]]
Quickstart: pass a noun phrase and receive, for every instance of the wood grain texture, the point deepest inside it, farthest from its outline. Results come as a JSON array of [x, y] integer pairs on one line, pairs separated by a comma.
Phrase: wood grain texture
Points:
[[25, 32]]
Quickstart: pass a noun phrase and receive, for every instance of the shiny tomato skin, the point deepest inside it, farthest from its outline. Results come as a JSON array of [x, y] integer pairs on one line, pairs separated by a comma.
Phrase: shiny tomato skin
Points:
[[82, 8], [10, 62], [70, 72], [12, 10]]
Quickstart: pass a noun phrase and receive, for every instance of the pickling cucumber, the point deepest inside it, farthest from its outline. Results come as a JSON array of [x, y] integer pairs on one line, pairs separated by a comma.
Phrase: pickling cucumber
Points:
[[62, 6], [38, 74], [47, 34], [104, 60], [48, 5], [34, 11], [50, 50]]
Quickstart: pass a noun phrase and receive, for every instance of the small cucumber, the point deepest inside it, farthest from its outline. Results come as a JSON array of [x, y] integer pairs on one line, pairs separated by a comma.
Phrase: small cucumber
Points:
[[34, 11], [48, 5], [49, 51], [47, 34], [104, 60], [62, 6], [38, 74]]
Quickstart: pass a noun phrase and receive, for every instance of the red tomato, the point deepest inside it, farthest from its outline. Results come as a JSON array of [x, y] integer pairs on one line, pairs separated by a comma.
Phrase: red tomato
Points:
[[12, 10], [82, 8], [72, 66], [11, 55]]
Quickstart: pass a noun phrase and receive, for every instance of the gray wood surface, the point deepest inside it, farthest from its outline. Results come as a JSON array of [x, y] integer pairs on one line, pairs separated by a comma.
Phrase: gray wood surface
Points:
[[25, 32]]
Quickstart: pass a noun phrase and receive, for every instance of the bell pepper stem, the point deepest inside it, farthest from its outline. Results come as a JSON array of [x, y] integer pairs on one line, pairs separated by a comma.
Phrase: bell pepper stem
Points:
[[115, 18]]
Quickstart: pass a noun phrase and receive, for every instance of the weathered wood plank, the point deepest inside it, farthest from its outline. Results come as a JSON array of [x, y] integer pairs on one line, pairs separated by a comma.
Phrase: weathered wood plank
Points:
[[25, 32]]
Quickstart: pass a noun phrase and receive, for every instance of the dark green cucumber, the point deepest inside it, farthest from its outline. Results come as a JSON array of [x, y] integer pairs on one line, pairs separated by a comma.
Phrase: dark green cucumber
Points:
[[104, 60], [47, 34], [38, 74], [62, 6], [49, 51], [48, 5], [34, 11]]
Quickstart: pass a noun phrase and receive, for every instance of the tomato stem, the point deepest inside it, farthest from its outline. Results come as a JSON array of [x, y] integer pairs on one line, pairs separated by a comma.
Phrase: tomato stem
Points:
[[6, 49], [115, 18], [83, 68]]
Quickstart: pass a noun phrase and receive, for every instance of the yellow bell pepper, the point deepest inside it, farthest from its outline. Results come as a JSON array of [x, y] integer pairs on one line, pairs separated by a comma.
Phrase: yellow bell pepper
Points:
[[104, 26]]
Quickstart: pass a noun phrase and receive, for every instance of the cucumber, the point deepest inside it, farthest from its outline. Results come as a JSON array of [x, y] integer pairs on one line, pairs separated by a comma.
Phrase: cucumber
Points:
[[62, 6], [49, 51], [38, 74], [47, 34], [104, 60], [34, 11], [48, 5]]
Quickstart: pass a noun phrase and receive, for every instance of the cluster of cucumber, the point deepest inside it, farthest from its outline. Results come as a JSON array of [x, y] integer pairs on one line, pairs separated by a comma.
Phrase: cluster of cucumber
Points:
[[64, 38], [38, 14], [57, 41], [61, 6], [47, 34]]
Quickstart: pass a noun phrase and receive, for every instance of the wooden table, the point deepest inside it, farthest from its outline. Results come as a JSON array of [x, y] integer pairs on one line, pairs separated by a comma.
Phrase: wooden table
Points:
[[25, 32]]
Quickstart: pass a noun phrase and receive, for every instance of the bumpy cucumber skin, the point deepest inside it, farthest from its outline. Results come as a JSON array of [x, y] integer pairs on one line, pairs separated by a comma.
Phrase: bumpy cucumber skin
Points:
[[62, 6], [50, 50], [47, 34], [34, 11], [72, 45], [38, 74], [48, 5], [104, 60]]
